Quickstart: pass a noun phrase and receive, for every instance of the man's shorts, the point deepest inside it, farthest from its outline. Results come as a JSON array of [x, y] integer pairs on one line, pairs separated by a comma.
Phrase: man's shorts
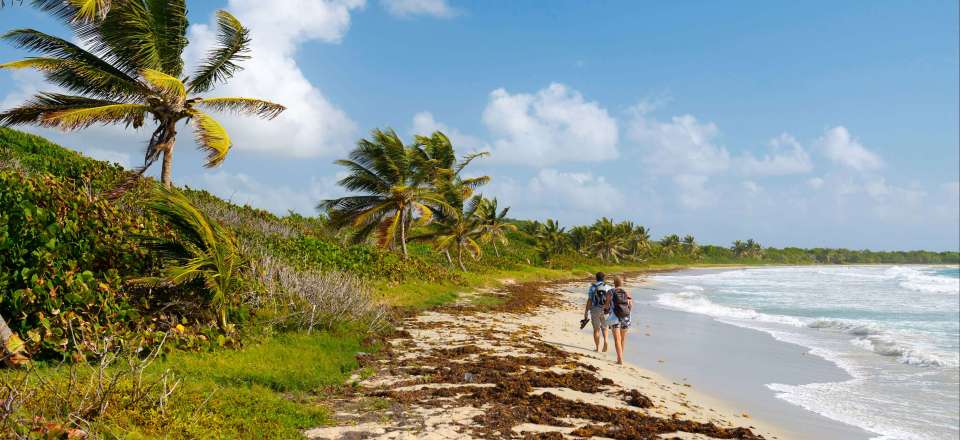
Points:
[[597, 318]]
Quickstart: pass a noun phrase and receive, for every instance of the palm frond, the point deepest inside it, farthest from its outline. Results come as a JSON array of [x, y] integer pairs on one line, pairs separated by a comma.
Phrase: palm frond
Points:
[[233, 41], [211, 137], [78, 70], [248, 106], [165, 84], [142, 34], [78, 118], [90, 10], [467, 159], [30, 112]]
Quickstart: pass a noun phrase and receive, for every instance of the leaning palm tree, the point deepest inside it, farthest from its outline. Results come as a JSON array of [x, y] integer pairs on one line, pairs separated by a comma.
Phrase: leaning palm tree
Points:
[[459, 232], [202, 250], [494, 224], [393, 192], [132, 69]]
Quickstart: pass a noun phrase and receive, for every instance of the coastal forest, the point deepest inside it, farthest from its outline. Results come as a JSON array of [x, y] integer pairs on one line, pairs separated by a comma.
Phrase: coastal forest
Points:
[[130, 304]]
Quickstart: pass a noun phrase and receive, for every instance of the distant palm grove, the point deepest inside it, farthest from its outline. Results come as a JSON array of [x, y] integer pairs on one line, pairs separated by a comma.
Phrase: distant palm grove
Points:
[[416, 193]]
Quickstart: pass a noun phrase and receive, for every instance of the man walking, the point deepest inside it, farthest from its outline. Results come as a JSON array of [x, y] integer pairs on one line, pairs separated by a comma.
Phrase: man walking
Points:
[[596, 299]]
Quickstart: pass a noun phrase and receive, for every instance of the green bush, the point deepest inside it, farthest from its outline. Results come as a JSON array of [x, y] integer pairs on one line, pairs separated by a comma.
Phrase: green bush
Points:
[[63, 257]]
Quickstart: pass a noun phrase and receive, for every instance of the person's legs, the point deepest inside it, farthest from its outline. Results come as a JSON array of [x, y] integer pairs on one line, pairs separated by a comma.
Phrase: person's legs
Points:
[[618, 343], [596, 318], [604, 331]]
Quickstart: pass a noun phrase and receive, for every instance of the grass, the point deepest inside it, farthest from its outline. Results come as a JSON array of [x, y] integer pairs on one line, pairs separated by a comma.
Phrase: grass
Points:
[[272, 389]]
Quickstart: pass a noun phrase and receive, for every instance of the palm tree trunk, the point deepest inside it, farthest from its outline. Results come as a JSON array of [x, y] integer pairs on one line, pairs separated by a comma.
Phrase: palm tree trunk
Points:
[[165, 172], [460, 259], [447, 253], [403, 231], [495, 250]]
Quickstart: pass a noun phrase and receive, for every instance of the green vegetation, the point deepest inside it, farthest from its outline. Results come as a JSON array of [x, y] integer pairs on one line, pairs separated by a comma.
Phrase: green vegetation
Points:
[[136, 309]]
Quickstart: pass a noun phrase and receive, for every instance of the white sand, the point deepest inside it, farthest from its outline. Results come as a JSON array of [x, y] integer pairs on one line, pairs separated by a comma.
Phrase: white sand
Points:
[[558, 326]]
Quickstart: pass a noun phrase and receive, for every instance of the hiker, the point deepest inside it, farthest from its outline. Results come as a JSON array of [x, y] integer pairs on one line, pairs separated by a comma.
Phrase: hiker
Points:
[[619, 303], [593, 309]]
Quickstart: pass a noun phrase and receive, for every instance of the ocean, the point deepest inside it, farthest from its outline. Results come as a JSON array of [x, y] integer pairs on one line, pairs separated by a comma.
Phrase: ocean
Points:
[[894, 329]]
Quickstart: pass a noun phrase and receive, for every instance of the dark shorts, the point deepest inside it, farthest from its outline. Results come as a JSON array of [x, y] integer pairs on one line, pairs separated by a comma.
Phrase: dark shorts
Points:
[[622, 323]]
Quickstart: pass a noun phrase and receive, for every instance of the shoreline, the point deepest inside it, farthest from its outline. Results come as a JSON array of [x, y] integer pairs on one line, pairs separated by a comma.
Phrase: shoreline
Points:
[[522, 369]]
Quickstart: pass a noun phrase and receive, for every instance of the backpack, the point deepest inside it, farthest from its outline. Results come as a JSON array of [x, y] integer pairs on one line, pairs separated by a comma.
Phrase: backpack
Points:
[[621, 303], [597, 297]]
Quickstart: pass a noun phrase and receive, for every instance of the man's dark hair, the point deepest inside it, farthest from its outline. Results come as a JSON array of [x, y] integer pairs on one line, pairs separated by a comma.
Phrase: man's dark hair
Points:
[[600, 276]]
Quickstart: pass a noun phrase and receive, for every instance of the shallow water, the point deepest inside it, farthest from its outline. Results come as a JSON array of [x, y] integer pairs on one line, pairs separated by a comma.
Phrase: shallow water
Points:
[[894, 329]]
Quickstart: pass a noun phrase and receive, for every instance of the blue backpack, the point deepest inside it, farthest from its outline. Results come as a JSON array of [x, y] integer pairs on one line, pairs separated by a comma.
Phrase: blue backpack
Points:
[[597, 296]]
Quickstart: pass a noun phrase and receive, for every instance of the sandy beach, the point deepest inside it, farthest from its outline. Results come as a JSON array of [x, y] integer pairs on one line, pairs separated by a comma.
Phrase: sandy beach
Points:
[[523, 369]]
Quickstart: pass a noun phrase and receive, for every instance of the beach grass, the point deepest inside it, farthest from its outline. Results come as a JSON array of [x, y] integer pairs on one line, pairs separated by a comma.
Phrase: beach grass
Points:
[[274, 388]]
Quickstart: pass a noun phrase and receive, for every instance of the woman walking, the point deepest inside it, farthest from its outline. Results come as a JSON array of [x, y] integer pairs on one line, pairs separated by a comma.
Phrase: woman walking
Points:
[[620, 304]]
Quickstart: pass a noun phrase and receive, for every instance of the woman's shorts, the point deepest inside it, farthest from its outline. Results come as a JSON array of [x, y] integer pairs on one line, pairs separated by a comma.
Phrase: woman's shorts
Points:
[[614, 322]]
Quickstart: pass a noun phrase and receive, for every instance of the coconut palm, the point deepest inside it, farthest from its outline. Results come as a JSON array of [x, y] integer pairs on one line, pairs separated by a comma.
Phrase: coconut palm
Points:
[[203, 250], [134, 69], [607, 241], [458, 232], [551, 238], [436, 161], [580, 238], [670, 244], [394, 194], [494, 223], [690, 245]]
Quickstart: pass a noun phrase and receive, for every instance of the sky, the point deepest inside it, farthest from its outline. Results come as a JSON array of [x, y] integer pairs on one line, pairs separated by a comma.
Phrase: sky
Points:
[[807, 124]]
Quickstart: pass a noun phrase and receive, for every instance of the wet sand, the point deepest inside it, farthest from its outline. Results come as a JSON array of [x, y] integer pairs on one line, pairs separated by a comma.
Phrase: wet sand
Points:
[[733, 364]]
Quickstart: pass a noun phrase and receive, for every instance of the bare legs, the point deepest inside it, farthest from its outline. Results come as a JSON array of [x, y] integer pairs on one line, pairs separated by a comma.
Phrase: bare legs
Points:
[[619, 336], [597, 332]]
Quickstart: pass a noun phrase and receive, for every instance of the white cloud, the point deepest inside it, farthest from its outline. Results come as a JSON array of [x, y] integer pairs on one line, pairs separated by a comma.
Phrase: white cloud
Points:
[[842, 148], [425, 124], [787, 156], [682, 145], [693, 191], [751, 186], [815, 182], [312, 125], [570, 197], [244, 189], [553, 125], [409, 8]]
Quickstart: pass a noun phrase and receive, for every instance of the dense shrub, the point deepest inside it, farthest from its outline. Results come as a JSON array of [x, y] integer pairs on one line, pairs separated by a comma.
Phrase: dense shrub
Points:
[[63, 257]]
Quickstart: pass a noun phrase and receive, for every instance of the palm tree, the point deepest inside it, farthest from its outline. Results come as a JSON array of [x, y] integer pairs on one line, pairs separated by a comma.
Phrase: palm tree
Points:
[[203, 250], [394, 193], [690, 245], [436, 161], [608, 242], [670, 244], [134, 69], [580, 238], [551, 238], [459, 231], [494, 224]]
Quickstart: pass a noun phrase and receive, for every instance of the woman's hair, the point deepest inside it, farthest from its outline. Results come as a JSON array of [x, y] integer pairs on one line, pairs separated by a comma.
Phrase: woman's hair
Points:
[[617, 281]]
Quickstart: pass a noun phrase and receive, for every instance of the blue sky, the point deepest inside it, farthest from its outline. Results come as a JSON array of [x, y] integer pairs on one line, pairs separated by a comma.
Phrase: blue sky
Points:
[[794, 123]]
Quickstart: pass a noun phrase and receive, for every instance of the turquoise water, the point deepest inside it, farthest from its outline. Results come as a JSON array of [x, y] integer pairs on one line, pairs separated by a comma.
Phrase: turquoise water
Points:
[[894, 329]]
